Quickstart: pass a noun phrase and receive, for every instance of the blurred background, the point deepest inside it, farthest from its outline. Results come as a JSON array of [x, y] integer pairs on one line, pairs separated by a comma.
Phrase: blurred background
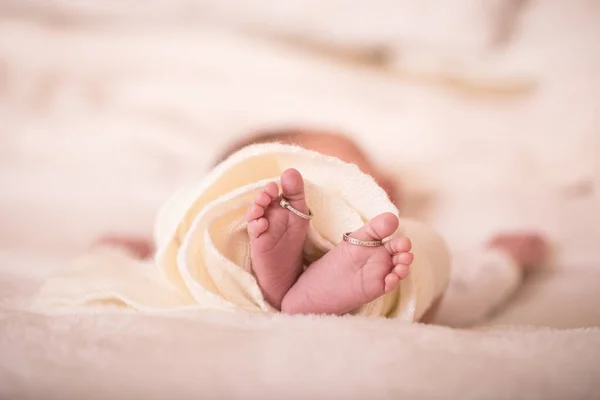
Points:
[[487, 112]]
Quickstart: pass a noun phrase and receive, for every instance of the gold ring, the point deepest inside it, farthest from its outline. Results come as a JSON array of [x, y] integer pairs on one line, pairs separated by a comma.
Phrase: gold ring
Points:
[[366, 243], [283, 202]]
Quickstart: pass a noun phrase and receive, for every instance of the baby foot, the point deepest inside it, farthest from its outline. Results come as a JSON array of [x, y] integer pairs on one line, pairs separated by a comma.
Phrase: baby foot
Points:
[[277, 236], [350, 275]]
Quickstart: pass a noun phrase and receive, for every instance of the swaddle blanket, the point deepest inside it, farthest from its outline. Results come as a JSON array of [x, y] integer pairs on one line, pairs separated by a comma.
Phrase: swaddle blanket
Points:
[[203, 258]]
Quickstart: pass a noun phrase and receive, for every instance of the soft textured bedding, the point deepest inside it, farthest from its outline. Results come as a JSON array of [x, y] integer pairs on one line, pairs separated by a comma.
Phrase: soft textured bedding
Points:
[[124, 356]]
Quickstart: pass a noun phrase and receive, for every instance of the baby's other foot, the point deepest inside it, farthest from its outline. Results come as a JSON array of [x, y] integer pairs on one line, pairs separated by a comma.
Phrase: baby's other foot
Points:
[[350, 275], [277, 236]]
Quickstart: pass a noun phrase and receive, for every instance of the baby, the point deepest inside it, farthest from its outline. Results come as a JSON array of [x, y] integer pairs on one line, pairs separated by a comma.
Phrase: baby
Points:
[[359, 269]]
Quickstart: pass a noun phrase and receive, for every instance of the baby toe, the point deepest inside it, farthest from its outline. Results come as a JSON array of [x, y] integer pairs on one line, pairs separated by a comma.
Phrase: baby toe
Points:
[[263, 199], [292, 184], [255, 211], [377, 228], [272, 190], [391, 282], [398, 245], [401, 271], [403, 258], [257, 227]]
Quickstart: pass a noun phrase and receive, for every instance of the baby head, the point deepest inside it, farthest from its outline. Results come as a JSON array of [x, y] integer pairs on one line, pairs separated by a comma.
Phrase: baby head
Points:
[[324, 142]]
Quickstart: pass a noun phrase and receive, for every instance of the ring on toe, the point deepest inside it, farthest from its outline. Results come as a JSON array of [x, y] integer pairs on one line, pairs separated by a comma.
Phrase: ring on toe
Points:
[[365, 243], [283, 202]]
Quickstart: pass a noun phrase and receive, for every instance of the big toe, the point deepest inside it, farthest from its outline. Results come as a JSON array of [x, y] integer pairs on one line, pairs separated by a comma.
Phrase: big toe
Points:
[[292, 187], [378, 228]]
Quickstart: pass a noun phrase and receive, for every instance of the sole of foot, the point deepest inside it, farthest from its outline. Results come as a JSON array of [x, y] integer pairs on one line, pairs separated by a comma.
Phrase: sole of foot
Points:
[[351, 275], [277, 236]]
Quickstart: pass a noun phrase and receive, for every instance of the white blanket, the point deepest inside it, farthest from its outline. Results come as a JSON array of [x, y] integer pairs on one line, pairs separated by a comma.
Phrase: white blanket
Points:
[[202, 259]]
